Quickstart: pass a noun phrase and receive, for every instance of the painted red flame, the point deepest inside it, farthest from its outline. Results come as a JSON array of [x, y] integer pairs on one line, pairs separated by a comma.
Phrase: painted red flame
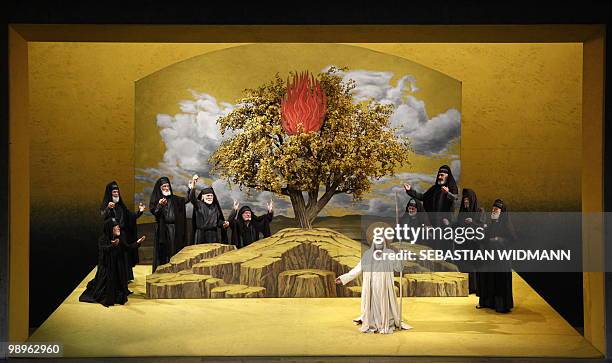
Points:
[[304, 104]]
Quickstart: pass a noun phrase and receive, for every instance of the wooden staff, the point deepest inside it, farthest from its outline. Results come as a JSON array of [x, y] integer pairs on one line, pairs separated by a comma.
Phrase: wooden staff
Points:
[[401, 271]]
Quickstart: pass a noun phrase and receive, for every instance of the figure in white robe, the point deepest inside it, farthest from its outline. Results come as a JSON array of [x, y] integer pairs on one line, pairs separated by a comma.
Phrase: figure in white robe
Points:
[[379, 307]]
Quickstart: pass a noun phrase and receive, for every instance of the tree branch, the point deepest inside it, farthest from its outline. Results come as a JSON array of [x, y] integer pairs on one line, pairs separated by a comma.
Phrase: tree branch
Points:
[[316, 208], [312, 198]]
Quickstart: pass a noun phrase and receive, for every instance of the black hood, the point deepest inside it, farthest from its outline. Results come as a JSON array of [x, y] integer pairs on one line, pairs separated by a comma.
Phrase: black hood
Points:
[[450, 180], [108, 227], [108, 196], [504, 219], [419, 205], [471, 195], [500, 204], [215, 202], [244, 209], [156, 194]]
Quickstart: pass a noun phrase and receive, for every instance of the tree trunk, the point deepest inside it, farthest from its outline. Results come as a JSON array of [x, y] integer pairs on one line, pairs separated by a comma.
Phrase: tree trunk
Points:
[[305, 214], [299, 208]]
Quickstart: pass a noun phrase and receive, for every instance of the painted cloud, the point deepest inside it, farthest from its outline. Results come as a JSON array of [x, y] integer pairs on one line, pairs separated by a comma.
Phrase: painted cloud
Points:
[[192, 135]]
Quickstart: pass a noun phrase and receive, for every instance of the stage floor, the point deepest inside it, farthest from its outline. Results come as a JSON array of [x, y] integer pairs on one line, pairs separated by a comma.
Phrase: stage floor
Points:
[[448, 326]]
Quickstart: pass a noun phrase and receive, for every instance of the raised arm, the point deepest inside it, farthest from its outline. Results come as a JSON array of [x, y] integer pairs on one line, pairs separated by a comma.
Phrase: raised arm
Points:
[[233, 217], [267, 218], [191, 195], [139, 211], [191, 191], [159, 207], [413, 193]]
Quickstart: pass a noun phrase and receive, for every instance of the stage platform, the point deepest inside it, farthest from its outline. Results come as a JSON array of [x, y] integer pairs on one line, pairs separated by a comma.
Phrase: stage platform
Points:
[[443, 326]]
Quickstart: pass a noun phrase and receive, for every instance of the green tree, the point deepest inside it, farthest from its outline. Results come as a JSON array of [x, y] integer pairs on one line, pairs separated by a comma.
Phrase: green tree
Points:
[[351, 145]]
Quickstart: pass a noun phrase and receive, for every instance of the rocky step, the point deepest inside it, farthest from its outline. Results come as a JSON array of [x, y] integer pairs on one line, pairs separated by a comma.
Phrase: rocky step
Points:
[[307, 283], [437, 284], [190, 255], [237, 291], [440, 284], [177, 286]]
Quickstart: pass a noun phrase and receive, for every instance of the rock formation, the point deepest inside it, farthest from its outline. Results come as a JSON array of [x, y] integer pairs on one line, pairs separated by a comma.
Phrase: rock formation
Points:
[[291, 263]]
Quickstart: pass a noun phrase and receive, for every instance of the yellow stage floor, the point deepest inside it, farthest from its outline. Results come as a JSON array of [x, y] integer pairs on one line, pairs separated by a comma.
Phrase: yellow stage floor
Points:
[[307, 327]]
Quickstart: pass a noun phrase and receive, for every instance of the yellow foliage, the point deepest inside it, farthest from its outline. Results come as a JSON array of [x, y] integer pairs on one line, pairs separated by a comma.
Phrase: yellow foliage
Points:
[[354, 146]]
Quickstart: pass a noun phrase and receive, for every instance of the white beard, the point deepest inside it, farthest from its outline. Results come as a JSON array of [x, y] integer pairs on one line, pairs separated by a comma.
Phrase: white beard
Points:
[[115, 199], [494, 216], [166, 193], [412, 214]]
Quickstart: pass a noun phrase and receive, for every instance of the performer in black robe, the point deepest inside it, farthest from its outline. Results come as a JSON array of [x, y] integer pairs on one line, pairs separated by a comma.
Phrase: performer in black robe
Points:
[[208, 223], [439, 199], [110, 285], [246, 226], [113, 207], [169, 212], [470, 215], [495, 277], [415, 216]]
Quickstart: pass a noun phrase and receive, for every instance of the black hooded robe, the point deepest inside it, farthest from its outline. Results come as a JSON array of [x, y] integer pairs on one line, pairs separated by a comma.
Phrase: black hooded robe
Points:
[[244, 233], [437, 203], [127, 221], [207, 219], [495, 277], [420, 219], [110, 285], [476, 213], [171, 224]]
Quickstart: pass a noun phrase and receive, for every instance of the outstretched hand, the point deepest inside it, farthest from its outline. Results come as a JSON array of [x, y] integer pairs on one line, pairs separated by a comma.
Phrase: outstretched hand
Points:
[[194, 181], [141, 239], [338, 281], [236, 204], [407, 186], [141, 207], [270, 206]]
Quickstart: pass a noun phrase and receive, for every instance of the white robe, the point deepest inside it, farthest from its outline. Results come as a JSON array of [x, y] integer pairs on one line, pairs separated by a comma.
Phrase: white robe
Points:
[[379, 306]]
